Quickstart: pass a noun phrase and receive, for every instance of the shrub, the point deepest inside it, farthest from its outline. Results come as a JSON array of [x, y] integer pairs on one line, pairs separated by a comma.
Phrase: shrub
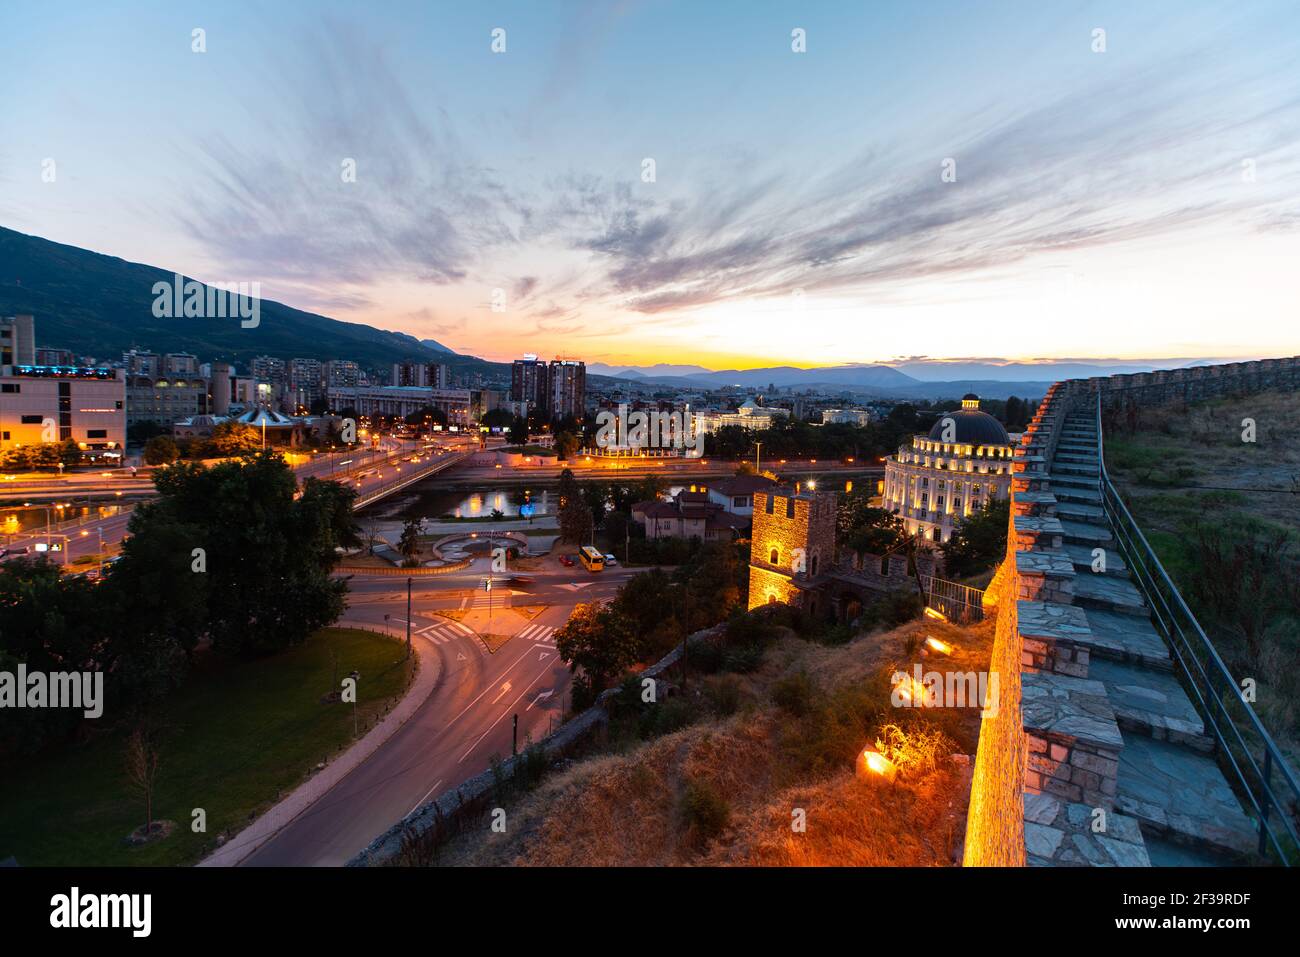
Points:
[[705, 657], [668, 716], [794, 693], [704, 812], [744, 659], [724, 695]]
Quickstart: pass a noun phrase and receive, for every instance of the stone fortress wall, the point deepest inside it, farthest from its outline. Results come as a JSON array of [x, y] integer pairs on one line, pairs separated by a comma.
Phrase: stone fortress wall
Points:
[[1037, 618]]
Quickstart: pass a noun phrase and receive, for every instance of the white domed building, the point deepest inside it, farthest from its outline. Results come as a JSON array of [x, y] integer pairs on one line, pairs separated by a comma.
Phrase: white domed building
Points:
[[942, 477]]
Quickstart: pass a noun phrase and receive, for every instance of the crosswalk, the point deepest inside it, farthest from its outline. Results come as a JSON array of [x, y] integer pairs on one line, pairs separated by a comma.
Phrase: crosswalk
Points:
[[495, 600], [538, 633], [446, 630]]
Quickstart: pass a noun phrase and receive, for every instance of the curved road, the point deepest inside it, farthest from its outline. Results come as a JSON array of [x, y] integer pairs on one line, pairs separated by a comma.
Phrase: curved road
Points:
[[464, 722]]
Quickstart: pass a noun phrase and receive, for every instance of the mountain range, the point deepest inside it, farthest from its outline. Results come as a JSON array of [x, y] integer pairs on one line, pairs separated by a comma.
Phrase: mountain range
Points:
[[102, 306]]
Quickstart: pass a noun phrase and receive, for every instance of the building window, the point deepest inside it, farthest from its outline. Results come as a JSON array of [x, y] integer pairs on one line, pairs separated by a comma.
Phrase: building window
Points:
[[32, 420], [884, 565], [11, 387], [771, 503], [775, 557], [97, 434], [814, 566], [789, 507]]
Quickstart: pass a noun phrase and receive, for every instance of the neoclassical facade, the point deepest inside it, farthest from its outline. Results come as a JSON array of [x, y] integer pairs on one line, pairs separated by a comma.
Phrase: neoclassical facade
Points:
[[942, 477]]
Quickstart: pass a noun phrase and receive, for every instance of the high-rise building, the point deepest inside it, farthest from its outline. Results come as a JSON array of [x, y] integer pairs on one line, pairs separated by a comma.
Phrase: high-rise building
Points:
[[566, 388], [528, 382], [432, 375], [136, 362], [342, 373], [180, 363], [17, 340]]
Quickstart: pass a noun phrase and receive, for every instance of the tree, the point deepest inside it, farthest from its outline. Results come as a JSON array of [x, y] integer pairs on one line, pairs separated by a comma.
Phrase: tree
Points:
[[231, 439], [409, 543], [265, 556], [566, 445], [161, 450], [574, 513], [48, 623], [519, 431], [497, 419], [598, 641], [979, 541], [142, 765]]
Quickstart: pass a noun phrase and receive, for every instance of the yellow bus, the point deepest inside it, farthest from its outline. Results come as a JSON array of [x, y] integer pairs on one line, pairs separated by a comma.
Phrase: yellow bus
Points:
[[591, 557]]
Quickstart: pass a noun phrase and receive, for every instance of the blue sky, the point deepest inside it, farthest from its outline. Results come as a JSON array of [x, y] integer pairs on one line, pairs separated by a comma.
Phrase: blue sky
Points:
[[798, 212]]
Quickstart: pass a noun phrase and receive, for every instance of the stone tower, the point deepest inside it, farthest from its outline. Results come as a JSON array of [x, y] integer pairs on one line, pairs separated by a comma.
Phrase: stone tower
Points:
[[792, 546]]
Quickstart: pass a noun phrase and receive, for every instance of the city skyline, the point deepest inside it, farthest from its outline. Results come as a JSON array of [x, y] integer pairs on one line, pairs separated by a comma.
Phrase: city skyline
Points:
[[1137, 196]]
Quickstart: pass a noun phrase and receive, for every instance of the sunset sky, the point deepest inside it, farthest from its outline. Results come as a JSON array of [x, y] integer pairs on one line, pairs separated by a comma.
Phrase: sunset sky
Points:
[[1143, 201]]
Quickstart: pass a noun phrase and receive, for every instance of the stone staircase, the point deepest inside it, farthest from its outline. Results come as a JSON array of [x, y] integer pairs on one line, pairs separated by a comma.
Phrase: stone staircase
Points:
[[1119, 767]]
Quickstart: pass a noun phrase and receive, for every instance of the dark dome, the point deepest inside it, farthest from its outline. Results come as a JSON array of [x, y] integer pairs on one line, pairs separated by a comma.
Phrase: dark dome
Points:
[[973, 428]]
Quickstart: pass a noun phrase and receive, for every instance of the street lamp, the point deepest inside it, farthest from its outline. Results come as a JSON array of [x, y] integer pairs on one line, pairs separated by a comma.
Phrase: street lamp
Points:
[[409, 580]]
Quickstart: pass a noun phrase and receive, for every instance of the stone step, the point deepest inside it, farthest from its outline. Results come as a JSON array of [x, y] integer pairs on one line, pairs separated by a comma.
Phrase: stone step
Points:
[[1108, 593], [1088, 457], [1077, 493], [1163, 852], [1085, 533], [1182, 795], [1060, 834], [1080, 511], [1122, 637], [1072, 739], [1075, 481], [1152, 703], [1076, 468], [1077, 447], [1081, 556]]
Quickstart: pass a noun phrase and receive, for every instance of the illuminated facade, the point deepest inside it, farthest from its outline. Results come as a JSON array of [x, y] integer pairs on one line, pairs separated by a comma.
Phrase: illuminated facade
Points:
[[792, 546], [964, 462]]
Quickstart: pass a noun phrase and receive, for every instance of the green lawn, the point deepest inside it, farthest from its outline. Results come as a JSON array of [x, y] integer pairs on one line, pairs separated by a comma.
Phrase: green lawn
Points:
[[239, 734]]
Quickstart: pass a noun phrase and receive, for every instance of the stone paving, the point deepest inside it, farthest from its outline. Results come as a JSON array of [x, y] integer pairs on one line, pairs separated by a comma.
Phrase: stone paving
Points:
[[1107, 722], [1182, 795], [1074, 707], [1116, 594], [1061, 834], [1151, 702], [1085, 532], [1082, 557], [1128, 638]]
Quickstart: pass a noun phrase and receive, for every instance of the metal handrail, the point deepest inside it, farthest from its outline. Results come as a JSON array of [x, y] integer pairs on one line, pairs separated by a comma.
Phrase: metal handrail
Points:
[[1167, 606]]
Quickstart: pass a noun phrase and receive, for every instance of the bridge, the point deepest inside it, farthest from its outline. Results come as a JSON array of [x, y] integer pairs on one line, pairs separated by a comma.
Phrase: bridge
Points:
[[1122, 737]]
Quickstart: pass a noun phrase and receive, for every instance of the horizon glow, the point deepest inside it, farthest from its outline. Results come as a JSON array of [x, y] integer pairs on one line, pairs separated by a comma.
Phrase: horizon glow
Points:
[[1135, 203]]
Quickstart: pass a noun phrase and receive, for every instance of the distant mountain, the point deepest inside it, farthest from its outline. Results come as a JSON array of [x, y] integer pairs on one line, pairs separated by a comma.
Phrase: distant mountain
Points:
[[655, 371], [864, 376], [436, 346], [937, 370], [101, 306]]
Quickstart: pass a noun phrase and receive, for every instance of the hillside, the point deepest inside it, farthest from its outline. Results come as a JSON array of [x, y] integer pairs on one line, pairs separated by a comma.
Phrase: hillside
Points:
[[721, 790], [102, 306]]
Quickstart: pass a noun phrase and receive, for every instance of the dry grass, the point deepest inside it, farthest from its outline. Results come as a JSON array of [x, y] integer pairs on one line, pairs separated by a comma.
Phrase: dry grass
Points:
[[629, 808]]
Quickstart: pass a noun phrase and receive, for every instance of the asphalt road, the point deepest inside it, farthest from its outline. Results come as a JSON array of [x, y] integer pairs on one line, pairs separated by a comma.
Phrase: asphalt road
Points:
[[465, 721]]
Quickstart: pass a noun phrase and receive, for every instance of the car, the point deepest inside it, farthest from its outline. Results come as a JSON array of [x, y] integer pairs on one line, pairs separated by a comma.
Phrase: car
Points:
[[11, 552], [566, 561], [611, 561], [519, 580]]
